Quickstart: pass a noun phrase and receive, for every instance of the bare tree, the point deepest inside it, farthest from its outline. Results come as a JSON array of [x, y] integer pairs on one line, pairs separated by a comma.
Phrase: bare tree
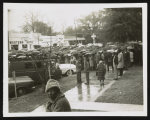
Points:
[[34, 24]]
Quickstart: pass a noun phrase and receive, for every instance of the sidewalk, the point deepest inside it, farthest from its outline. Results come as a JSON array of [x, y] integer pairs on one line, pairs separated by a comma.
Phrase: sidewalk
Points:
[[126, 90], [117, 95]]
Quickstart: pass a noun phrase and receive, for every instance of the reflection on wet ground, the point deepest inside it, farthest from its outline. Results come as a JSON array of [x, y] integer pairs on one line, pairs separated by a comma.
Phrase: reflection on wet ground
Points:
[[82, 93], [88, 93]]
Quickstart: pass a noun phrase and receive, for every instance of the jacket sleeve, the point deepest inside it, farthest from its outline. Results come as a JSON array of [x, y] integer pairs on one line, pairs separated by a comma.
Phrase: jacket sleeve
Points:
[[47, 107]]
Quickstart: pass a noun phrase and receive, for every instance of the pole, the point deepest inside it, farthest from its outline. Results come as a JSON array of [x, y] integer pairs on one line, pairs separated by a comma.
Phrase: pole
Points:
[[49, 70], [14, 78], [70, 65], [76, 32], [8, 28]]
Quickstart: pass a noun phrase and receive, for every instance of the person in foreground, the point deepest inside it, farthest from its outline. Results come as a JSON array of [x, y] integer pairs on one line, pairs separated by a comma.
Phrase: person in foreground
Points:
[[57, 100]]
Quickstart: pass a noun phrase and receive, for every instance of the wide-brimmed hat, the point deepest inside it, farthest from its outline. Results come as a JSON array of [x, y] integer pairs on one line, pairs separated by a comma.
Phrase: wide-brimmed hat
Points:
[[51, 83]]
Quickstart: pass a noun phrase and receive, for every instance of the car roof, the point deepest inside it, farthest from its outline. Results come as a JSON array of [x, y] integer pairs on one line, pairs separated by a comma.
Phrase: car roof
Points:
[[20, 79]]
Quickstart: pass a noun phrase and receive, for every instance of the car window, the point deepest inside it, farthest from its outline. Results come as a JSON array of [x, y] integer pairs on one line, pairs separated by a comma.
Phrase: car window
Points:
[[28, 65], [38, 64]]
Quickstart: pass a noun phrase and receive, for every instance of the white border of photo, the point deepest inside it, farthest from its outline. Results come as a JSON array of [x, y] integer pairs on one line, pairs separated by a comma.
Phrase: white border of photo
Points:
[[5, 65]]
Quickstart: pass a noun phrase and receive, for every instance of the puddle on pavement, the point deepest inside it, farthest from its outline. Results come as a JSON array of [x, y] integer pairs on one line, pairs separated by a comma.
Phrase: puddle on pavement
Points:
[[82, 93]]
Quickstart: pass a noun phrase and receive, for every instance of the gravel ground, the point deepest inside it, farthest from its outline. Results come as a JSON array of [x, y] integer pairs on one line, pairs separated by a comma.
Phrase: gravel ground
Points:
[[127, 90]]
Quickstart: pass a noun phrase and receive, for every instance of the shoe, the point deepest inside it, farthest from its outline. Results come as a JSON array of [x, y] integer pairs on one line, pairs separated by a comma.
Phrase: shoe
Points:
[[115, 79]]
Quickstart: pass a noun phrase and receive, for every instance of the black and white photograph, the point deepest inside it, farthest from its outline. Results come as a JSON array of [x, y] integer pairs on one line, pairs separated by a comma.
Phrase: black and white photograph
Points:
[[86, 59]]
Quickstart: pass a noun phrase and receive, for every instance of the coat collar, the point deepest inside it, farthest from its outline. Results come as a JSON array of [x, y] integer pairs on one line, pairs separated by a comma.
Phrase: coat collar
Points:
[[58, 97]]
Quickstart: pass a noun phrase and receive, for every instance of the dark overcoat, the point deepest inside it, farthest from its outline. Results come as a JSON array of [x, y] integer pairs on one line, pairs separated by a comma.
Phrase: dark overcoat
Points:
[[60, 104], [101, 71]]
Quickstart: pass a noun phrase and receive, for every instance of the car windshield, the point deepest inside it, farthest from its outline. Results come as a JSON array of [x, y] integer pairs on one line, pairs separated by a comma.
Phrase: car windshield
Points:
[[21, 79], [65, 65]]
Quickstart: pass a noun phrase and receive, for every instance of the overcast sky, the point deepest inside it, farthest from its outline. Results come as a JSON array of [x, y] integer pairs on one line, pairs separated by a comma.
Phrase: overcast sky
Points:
[[55, 14]]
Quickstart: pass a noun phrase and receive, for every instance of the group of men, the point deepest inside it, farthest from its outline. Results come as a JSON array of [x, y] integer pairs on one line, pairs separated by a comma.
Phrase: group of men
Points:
[[119, 61]]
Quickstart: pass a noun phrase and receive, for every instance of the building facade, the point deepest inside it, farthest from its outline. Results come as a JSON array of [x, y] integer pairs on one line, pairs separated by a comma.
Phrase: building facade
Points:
[[29, 41]]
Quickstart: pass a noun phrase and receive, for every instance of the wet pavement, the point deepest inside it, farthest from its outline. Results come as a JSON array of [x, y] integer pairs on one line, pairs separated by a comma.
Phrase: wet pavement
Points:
[[86, 93], [82, 97]]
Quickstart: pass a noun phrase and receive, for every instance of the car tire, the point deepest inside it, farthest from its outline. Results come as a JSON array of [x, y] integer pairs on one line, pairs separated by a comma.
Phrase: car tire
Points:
[[69, 72], [21, 91]]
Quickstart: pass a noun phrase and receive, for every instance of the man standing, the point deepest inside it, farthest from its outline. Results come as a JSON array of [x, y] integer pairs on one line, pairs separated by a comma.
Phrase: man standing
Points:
[[57, 100], [126, 59], [131, 58], [120, 65], [115, 63], [91, 61], [86, 69], [78, 69], [97, 58]]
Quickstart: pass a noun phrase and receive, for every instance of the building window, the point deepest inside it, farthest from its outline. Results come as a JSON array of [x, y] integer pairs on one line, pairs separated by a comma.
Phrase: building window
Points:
[[37, 46], [14, 47], [24, 46], [29, 65]]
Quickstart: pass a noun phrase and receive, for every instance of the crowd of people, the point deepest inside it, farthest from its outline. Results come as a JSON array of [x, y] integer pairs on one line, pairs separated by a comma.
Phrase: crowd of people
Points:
[[101, 62]]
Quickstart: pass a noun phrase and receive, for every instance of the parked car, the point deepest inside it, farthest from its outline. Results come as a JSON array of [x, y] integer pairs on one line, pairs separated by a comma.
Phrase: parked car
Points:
[[23, 85], [67, 69], [37, 70]]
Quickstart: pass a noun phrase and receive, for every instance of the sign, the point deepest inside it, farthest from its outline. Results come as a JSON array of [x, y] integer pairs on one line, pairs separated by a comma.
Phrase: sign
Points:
[[93, 36]]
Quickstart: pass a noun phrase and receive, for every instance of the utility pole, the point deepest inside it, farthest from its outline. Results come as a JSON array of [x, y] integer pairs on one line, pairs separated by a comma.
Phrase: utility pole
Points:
[[49, 66], [76, 32], [8, 28], [14, 78]]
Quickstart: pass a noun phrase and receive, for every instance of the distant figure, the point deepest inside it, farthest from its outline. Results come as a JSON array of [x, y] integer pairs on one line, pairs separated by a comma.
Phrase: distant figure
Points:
[[57, 73], [97, 58], [126, 59], [78, 70], [115, 63], [120, 65], [102, 56], [73, 60], [101, 73], [106, 60], [110, 61], [57, 100], [86, 69], [91, 61], [131, 58], [84, 60]]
